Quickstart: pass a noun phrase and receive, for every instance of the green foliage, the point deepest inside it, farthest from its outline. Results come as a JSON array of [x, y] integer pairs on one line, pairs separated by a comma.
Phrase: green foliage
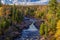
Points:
[[18, 16], [58, 11], [41, 29], [52, 6], [2, 23], [44, 29], [52, 9], [0, 3], [41, 15], [30, 12], [11, 15]]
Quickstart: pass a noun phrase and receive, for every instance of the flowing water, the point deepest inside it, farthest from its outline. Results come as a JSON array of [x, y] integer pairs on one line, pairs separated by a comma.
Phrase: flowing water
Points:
[[32, 33]]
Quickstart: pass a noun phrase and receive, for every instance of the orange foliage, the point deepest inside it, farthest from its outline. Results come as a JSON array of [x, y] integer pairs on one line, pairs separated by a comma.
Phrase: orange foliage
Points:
[[49, 16], [42, 8], [7, 12], [1, 11]]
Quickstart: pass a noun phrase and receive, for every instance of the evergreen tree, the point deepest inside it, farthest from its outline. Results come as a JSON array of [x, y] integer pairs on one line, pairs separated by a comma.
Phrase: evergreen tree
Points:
[[41, 29], [0, 3], [52, 9], [13, 12], [58, 10], [18, 15], [46, 30], [52, 6], [30, 12]]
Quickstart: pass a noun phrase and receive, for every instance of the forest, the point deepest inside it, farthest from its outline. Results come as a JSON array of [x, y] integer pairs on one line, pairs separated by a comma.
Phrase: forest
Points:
[[11, 16]]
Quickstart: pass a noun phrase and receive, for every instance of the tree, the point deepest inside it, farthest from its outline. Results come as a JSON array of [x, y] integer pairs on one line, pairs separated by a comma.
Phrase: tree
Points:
[[13, 12], [58, 11], [41, 29], [52, 6], [0, 3], [30, 12], [57, 34], [18, 16], [1, 11], [52, 9], [44, 30]]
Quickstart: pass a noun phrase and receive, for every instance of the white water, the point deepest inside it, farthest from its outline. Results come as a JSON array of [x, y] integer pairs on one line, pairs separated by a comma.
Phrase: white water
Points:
[[32, 28], [31, 33]]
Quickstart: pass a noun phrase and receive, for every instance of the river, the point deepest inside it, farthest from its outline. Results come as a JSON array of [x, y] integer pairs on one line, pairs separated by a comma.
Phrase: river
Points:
[[32, 33]]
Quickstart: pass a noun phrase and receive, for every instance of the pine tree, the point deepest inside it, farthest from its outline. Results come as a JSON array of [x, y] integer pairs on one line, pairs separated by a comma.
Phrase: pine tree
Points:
[[13, 13], [52, 6], [46, 30], [58, 10], [41, 29], [0, 3], [52, 9]]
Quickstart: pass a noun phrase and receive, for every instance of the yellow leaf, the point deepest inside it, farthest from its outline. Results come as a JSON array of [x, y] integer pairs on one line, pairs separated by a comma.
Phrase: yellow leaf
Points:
[[58, 25], [1, 8], [57, 34]]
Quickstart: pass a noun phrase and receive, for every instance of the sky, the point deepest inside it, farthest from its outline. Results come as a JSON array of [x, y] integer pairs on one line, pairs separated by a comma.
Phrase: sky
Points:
[[27, 1]]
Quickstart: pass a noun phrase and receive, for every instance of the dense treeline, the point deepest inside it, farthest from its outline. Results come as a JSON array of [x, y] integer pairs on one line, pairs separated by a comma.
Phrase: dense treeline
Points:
[[51, 23], [11, 15]]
